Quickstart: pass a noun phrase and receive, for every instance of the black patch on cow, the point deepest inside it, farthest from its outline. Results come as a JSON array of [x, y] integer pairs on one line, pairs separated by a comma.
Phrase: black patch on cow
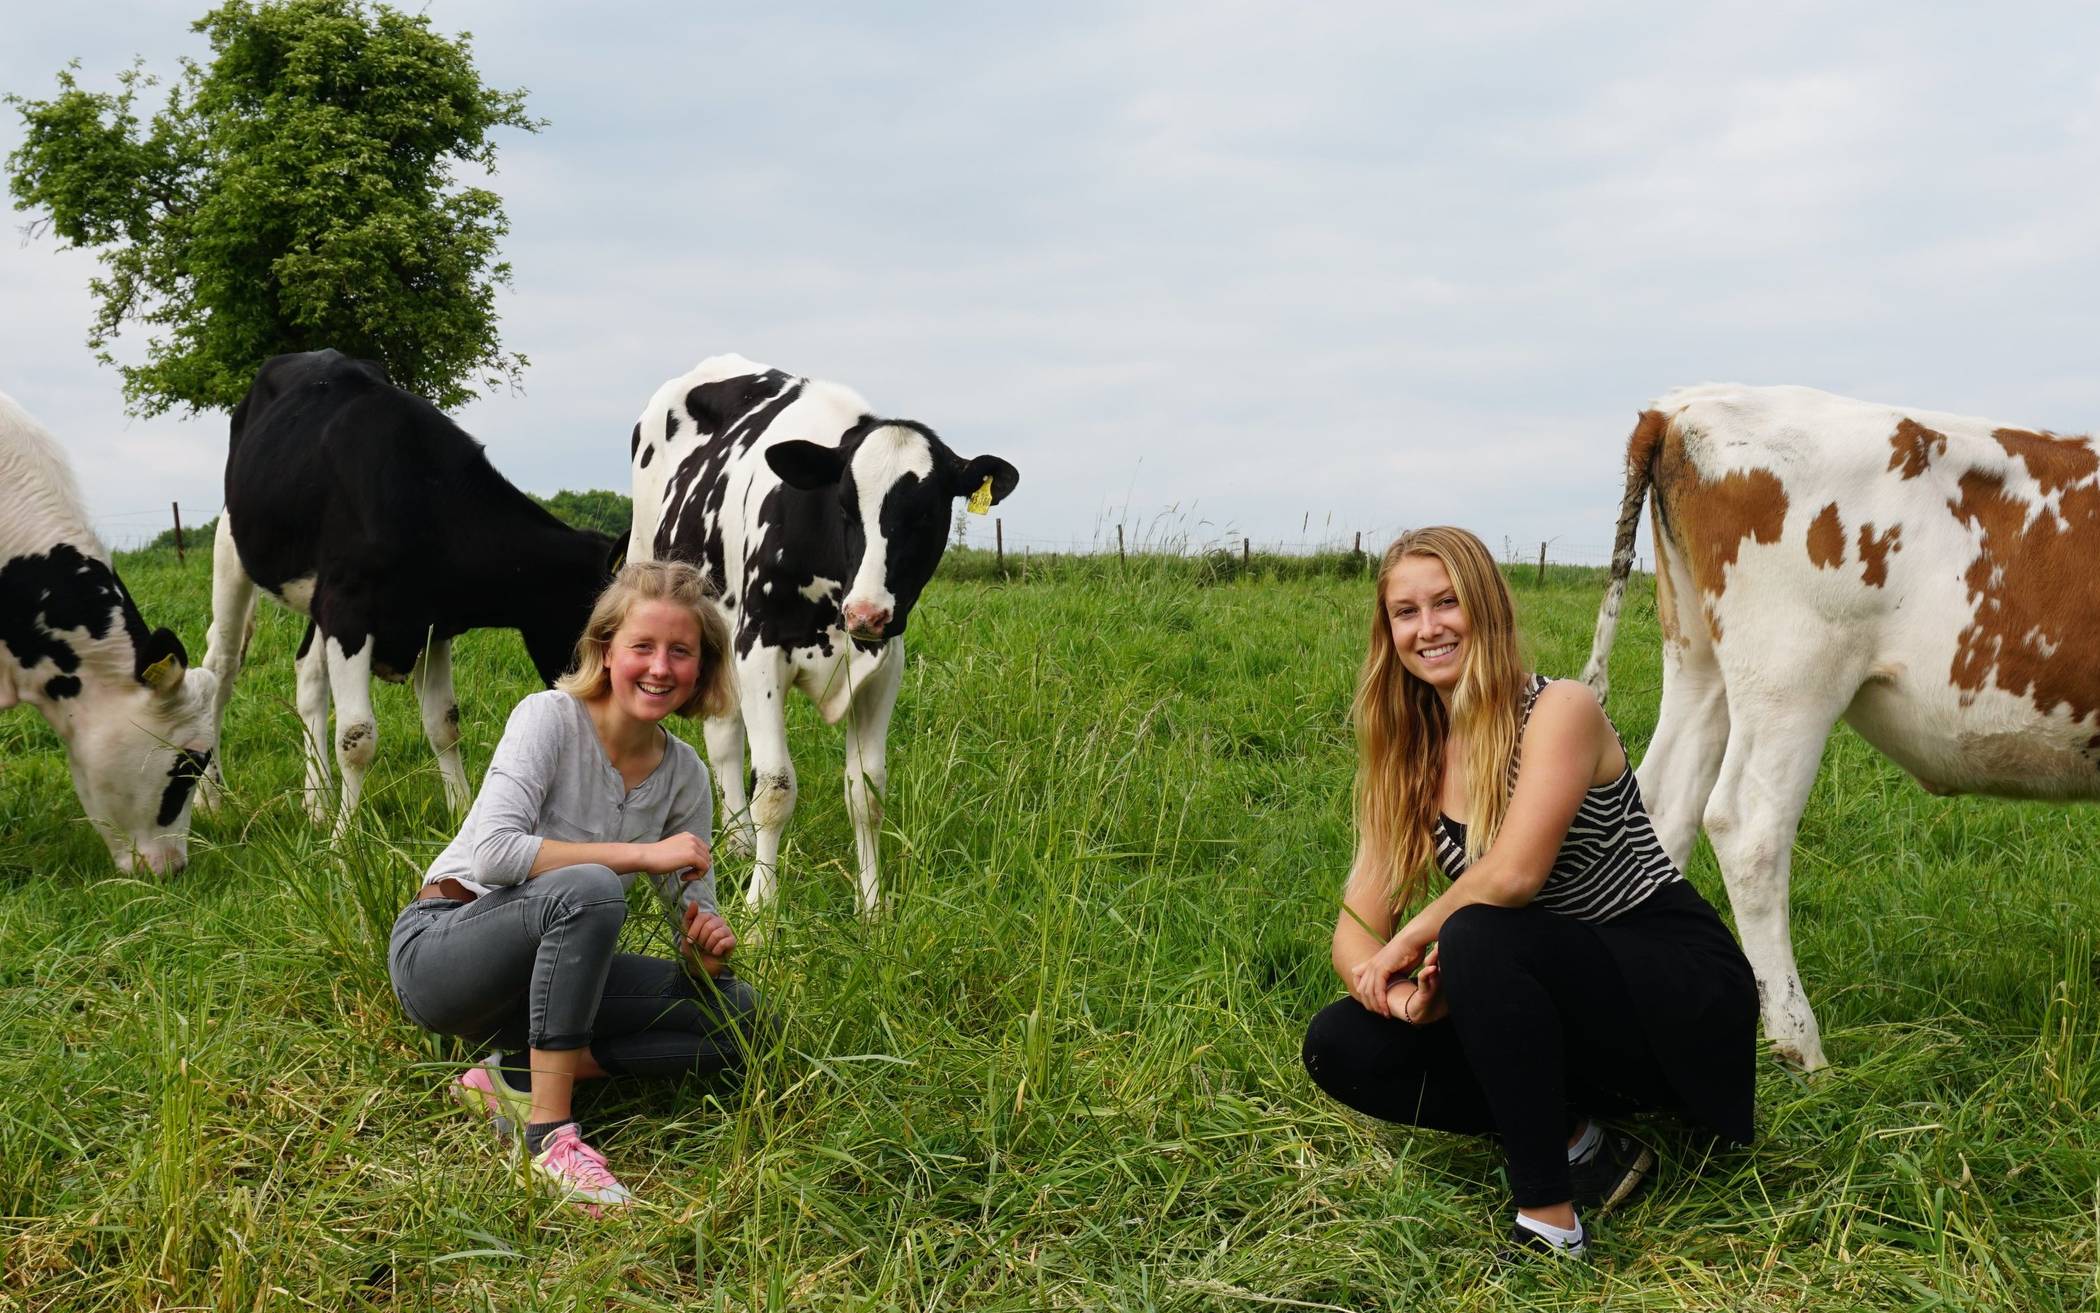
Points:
[[670, 425], [395, 513], [717, 405], [634, 444], [306, 641], [60, 687], [188, 768], [692, 532], [44, 595], [648, 454]]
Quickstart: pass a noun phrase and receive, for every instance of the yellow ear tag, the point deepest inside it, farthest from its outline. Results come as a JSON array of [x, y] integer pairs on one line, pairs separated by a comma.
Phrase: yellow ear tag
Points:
[[155, 675], [981, 500]]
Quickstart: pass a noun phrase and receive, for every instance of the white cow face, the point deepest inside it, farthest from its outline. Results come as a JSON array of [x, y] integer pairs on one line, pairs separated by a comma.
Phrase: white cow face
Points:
[[137, 748]]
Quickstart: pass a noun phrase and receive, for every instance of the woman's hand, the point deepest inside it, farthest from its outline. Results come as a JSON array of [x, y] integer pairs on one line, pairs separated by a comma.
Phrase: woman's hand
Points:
[[1373, 979], [687, 853], [1425, 1001], [707, 942]]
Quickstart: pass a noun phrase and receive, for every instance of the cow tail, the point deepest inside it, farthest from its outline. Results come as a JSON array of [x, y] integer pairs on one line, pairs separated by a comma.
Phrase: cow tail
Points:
[[1640, 474]]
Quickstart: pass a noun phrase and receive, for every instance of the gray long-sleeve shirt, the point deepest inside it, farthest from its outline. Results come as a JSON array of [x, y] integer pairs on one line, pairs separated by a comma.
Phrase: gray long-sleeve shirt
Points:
[[549, 779]]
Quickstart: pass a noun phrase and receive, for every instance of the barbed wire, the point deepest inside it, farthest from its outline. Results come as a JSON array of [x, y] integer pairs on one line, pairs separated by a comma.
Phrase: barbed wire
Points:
[[123, 531]]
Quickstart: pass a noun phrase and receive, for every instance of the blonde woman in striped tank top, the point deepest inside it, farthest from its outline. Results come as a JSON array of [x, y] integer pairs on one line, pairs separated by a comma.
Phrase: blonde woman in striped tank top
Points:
[[1564, 970]]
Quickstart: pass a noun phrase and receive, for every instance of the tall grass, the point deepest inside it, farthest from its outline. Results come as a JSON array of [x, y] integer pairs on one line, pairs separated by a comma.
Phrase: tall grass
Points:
[[1061, 1071]]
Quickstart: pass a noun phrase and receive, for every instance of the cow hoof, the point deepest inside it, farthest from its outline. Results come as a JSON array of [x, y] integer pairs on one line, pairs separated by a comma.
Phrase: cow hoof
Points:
[[736, 843], [1808, 1061]]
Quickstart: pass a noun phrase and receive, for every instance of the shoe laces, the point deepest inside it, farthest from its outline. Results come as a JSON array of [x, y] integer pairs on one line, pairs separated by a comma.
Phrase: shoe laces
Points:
[[566, 1153]]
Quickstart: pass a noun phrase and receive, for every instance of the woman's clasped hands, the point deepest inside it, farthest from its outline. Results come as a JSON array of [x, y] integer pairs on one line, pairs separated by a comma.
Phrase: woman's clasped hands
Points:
[[1381, 983]]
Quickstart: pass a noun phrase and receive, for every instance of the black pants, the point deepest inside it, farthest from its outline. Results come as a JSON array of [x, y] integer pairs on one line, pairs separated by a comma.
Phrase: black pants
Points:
[[1541, 1033]]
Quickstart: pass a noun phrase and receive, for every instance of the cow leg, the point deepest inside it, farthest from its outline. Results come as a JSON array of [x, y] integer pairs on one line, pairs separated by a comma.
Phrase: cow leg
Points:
[[225, 648], [312, 671], [356, 729], [763, 687], [867, 768], [441, 720], [725, 757], [1775, 745], [1678, 770]]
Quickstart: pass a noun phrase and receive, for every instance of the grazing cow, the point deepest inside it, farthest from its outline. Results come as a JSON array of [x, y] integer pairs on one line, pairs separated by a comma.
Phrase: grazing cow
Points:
[[136, 720], [1928, 578], [818, 524], [369, 512]]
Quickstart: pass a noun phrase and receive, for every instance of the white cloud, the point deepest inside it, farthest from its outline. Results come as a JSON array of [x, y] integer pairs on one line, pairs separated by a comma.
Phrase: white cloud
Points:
[[1242, 266]]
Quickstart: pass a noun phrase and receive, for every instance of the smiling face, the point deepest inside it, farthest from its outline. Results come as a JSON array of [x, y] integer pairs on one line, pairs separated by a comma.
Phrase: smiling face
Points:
[[653, 659], [1431, 634]]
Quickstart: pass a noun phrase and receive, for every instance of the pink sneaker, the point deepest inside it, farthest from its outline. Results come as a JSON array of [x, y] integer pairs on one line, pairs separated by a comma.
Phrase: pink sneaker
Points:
[[578, 1171], [482, 1088]]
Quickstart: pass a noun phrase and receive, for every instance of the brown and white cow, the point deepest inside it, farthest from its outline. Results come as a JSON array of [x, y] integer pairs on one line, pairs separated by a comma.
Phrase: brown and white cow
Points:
[[1928, 578]]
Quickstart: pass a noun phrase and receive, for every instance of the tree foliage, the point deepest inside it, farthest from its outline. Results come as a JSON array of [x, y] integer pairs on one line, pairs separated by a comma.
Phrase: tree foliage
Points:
[[610, 513], [296, 193]]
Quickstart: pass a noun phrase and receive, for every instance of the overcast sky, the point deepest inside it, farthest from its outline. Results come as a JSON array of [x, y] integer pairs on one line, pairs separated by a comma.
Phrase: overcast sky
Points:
[[1285, 271]]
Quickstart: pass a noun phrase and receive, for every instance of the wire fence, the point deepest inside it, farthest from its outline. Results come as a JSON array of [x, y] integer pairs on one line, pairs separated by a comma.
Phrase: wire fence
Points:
[[1123, 540], [127, 531]]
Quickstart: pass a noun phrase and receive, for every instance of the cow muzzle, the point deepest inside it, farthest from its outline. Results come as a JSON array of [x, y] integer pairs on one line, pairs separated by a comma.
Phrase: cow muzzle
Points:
[[866, 621], [161, 857]]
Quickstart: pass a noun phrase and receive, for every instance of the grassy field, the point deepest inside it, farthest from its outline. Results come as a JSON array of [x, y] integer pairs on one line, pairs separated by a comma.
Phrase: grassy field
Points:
[[1062, 1072]]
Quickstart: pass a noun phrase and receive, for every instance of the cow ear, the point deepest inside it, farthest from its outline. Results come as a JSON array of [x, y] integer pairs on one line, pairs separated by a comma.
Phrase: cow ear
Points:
[[163, 663], [806, 465], [973, 473], [616, 559]]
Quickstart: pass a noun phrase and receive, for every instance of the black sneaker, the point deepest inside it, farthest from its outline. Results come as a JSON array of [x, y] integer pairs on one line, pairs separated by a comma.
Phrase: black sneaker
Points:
[[1528, 1246], [1616, 1171]]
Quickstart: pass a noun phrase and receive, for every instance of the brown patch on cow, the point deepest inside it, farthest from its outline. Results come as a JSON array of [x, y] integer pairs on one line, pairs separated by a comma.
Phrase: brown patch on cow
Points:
[[1915, 446], [1874, 552], [1711, 518], [1648, 432], [2034, 631], [2054, 462], [1826, 539]]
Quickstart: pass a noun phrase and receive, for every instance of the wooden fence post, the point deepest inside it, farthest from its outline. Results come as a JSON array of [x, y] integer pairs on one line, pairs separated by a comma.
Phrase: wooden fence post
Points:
[[1121, 559], [999, 537], [177, 508], [1246, 553], [1542, 563]]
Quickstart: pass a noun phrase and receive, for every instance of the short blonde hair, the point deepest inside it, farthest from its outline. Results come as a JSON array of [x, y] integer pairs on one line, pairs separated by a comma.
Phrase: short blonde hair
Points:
[[656, 581]]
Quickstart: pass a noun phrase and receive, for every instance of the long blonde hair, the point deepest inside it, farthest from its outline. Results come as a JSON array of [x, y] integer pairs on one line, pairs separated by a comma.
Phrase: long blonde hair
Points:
[[1402, 727], [656, 581]]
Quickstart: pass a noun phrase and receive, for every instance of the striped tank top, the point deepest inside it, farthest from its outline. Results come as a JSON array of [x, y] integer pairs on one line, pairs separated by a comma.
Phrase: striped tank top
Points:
[[1610, 861]]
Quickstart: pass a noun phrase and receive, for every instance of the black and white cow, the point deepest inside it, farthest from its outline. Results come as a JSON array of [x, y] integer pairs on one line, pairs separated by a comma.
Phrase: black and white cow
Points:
[[369, 512], [819, 524], [136, 720]]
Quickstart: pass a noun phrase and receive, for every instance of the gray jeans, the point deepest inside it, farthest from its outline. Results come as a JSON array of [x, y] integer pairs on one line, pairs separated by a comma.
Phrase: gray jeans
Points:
[[532, 966]]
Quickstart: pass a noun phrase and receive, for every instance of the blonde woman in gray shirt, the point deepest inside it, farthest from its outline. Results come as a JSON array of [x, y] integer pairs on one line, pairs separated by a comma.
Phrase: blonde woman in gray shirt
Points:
[[510, 942]]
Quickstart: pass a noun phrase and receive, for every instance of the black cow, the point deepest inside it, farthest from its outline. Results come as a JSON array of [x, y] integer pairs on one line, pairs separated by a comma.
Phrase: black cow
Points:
[[368, 511], [819, 524], [135, 719]]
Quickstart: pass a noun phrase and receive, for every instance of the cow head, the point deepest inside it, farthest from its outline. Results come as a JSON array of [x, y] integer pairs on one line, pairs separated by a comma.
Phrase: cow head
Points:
[[567, 582], [896, 483], [137, 742]]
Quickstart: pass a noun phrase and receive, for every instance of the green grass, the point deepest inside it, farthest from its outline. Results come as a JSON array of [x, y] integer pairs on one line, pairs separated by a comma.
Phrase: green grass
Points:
[[1062, 1071]]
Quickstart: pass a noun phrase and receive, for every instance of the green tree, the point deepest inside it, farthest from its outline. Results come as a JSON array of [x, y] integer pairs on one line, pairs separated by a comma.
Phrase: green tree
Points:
[[297, 193]]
